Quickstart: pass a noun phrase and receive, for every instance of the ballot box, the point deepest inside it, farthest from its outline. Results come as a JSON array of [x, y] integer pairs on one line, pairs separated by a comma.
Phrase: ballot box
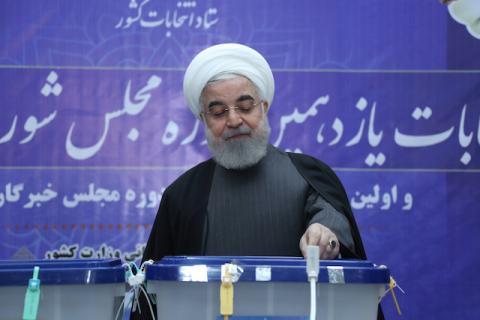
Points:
[[69, 289], [266, 288]]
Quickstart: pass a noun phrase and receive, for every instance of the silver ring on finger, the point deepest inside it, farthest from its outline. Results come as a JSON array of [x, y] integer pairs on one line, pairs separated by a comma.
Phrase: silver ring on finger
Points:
[[332, 243]]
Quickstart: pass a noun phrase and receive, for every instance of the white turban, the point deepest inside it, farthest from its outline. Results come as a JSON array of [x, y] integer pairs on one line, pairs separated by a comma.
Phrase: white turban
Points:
[[227, 58]]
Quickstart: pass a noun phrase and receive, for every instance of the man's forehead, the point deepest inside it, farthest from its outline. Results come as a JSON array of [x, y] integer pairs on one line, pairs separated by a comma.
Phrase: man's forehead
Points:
[[229, 88]]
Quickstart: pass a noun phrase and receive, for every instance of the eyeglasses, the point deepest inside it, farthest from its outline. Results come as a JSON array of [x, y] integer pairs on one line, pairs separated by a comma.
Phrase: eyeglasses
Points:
[[243, 107]]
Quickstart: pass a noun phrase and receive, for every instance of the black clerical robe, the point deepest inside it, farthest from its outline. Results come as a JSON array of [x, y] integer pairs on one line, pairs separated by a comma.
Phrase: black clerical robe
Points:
[[181, 225]]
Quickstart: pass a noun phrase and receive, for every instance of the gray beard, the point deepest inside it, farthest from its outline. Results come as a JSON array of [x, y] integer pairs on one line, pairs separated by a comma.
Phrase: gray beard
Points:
[[242, 153]]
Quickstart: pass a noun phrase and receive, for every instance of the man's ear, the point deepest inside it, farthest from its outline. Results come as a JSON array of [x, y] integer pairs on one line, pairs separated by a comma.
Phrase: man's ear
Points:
[[265, 106], [201, 116]]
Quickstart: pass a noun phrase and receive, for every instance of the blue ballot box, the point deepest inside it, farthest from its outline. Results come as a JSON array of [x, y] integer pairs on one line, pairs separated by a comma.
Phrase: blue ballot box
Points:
[[266, 288], [69, 289]]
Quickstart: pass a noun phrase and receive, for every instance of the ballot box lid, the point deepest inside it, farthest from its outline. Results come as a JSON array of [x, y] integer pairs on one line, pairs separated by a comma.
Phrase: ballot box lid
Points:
[[58, 272], [276, 269]]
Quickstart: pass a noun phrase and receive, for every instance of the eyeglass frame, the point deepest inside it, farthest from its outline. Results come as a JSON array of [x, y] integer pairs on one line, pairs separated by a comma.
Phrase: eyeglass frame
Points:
[[227, 109]]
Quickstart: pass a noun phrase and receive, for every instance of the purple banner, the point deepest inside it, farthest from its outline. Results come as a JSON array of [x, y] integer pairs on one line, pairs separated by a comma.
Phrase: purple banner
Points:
[[94, 125], [373, 34], [135, 118]]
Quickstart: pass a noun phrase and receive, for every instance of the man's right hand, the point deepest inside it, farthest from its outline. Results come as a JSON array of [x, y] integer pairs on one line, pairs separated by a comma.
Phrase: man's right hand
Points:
[[319, 235]]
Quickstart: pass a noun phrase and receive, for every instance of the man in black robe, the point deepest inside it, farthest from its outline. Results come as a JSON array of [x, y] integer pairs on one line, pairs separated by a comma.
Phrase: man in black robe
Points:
[[250, 198]]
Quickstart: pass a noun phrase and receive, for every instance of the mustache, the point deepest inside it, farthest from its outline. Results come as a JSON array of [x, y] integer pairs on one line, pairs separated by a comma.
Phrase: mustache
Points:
[[233, 132]]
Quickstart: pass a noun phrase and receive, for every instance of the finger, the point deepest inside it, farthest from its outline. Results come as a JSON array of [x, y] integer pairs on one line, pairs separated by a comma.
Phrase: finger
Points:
[[336, 251], [324, 247], [331, 254], [313, 235], [332, 248], [303, 245]]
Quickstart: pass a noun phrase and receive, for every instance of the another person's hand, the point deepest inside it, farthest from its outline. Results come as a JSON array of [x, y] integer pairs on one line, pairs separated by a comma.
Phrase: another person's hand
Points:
[[319, 235]]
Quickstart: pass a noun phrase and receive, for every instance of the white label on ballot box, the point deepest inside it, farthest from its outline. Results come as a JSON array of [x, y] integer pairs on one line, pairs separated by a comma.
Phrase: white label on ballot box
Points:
[[263, 273]]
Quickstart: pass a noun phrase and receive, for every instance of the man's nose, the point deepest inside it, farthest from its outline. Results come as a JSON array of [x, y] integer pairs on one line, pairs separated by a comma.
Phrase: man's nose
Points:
[[233, 118]]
